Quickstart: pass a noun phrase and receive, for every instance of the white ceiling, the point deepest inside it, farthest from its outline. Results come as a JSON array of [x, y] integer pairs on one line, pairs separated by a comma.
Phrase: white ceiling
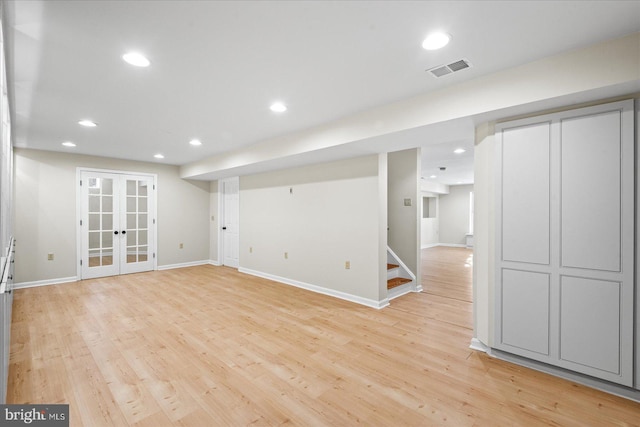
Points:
[[216, 67]]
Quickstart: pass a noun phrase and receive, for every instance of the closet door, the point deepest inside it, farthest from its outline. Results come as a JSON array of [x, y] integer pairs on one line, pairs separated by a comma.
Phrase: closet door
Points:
[[564, 240], [596, 286]]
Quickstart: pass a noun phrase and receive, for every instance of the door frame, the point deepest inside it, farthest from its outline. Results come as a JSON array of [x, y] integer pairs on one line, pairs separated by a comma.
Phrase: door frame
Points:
[[153, 248], [221, 219]]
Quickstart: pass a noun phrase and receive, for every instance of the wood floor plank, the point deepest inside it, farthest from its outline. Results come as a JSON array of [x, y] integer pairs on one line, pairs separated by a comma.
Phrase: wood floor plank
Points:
[[209, 346]]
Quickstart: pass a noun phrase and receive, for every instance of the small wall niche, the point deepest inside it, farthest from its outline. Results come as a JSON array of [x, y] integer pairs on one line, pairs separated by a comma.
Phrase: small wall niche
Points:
[[429, 207]]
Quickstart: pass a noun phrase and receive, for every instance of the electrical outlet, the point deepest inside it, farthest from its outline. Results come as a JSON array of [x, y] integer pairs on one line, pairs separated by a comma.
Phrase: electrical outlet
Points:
[[286, 255], [347, 265], [49, 257], [213, 218], [181, 245], [250, 249]]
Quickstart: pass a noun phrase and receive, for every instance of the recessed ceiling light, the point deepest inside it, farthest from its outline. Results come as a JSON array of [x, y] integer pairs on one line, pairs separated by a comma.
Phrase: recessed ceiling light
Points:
[[136, 59], [195, 142], [87, 123], [68, 144], [436, 41], [459, 150], [433, 176], [278, 107], [158, 156]]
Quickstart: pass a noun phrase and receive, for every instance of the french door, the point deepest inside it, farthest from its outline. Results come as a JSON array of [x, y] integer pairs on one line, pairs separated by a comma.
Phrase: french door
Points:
[[117, 223]]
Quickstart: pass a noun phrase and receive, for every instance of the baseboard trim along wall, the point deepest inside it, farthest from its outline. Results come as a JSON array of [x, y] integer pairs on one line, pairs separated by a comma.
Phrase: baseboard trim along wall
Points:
[[607, 387], [318, 289], [449, 245], [44, 282], [215, 262], [478, 345], [184, 264]]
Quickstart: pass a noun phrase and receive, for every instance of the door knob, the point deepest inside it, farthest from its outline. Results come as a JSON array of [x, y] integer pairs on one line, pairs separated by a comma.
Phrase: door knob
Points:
[[124, 231], [224, 228], [115, 232]]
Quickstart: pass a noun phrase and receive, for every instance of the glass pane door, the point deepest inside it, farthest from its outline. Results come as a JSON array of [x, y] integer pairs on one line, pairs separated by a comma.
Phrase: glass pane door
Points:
[[100, 249], [138, 220]]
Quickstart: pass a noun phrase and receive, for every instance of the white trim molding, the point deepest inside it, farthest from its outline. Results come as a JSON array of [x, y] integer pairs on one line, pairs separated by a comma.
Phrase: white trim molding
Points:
[[318, 289], [478, 345], [184, 264], [46, 282], [214, 262]]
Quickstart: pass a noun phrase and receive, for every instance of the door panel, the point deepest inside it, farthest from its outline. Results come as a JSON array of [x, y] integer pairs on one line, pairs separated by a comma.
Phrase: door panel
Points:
[[231, 220], [99, 207], [138, 220], [591, 185], [590, 325], [526, 194]]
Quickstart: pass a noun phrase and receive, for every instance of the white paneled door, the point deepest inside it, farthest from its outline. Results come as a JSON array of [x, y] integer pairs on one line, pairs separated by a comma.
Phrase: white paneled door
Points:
[[117, 223], [230, 221]]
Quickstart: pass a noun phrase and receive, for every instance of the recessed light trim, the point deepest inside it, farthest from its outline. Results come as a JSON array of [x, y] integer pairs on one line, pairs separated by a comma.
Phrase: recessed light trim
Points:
[[158, 156], [459, 150], [436, 40], [278, 107], [68, 144], [136, 59], [87, 123], [195, 142], [433, 176]]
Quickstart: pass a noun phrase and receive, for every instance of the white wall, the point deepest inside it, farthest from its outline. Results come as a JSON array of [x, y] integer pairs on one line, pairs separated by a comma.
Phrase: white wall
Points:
[[321, 216], [404, 221], [45, 213], [484, 233], [454, 215]]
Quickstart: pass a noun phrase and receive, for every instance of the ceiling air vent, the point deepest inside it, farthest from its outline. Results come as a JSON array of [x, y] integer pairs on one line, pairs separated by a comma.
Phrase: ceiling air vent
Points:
[[443, 70]]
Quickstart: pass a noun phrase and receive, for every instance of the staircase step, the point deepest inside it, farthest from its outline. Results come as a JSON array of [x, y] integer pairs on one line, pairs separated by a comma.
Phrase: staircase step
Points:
[[392, 266], [397, 281]]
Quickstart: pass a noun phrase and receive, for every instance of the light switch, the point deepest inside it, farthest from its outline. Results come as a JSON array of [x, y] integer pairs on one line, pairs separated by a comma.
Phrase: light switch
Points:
[[407, 202]]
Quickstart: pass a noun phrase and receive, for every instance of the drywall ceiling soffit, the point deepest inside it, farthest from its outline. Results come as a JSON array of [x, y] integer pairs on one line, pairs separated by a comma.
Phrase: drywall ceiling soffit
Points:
[[216, 66]]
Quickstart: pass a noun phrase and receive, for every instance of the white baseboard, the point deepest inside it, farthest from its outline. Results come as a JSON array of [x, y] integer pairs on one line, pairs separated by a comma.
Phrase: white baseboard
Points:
[[607, 387], [46, 282], [449, 245], [478, 345], [318, 289], [215, 262], [183, 264]]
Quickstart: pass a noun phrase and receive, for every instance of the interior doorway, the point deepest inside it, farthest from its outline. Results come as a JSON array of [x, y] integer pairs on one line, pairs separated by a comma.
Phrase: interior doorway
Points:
[[117, 223]]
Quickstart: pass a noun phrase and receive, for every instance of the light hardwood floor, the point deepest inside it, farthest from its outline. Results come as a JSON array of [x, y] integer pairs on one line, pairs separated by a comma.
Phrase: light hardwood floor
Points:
[[208, 346]]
